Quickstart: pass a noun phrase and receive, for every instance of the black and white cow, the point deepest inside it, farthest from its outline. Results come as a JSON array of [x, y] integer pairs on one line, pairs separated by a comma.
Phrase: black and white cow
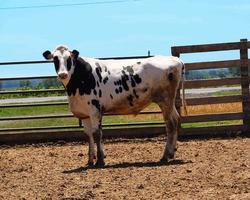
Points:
[[95, 87]]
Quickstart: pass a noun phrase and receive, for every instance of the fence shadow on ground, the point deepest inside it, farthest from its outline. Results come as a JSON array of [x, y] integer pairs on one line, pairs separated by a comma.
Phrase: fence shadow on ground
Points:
[[127, 165]]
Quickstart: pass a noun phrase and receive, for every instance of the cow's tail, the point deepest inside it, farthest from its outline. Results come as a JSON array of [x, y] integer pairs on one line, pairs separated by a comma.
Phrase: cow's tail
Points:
[[184, 103]]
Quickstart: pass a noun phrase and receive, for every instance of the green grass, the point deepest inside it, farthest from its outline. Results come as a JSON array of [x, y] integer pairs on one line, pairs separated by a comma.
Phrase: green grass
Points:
[[39, 123], [28, 111], [34, 94]]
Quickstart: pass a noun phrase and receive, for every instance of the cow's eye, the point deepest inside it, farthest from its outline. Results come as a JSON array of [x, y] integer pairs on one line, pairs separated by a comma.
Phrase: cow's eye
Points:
[[56, 63], [69, 63]]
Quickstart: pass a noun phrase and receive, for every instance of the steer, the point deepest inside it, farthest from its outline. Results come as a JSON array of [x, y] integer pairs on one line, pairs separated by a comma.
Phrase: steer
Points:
[[96, 87]]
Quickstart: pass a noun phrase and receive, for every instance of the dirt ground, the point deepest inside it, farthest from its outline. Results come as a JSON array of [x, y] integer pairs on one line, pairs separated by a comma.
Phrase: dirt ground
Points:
[[202, 169]]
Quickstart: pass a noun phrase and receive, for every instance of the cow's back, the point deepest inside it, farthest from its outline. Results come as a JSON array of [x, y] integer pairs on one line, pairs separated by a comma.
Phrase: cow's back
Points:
[[146, 78]]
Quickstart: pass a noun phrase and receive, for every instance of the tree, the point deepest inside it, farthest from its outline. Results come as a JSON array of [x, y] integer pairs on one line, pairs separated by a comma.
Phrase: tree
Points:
[[25, 84], [234, 71], [50, 83]]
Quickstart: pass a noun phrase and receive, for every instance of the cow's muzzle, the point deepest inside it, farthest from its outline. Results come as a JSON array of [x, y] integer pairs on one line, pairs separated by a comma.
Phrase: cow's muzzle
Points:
[[63, 76]]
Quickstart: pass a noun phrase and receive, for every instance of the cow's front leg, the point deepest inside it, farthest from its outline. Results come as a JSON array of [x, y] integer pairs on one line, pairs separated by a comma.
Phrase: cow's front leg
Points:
[[100, 151], [88, 130], [97, 126]]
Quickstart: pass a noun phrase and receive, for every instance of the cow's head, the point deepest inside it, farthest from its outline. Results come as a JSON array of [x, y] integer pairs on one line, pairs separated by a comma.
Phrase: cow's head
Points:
[[64, 61]]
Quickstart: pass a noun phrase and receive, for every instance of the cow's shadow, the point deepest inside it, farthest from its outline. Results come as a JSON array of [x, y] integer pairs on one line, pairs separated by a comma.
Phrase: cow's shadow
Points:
[[127, 165]]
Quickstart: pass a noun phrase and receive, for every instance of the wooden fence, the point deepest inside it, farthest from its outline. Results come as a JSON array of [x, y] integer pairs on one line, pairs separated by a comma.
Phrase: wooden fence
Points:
[[243, 80], [148, 129]]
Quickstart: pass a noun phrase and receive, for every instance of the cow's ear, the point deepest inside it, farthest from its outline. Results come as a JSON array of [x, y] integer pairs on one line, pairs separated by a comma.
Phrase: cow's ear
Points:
[[47, 55], [75, 54]]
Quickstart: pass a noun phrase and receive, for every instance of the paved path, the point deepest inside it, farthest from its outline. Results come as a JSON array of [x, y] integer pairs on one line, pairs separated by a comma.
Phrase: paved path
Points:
[[210, 90]]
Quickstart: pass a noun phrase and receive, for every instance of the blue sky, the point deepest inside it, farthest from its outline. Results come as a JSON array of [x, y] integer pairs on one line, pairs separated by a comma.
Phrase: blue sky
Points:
[[116, 29]]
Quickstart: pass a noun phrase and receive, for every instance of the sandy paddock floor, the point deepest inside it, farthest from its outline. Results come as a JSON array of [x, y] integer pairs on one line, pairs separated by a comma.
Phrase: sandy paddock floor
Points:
[[202, 169]]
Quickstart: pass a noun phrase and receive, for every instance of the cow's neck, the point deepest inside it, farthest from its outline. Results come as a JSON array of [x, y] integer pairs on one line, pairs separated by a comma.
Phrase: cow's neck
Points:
[[82, 79]]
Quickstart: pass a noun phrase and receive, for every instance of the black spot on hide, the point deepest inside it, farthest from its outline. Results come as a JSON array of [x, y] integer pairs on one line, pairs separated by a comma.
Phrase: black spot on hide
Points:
[[95, 92], [137, 78], [98, 70], [135, 94], [124, 74], [133, 84], [129, 69], [128, 75], [124, 80], [56, 63], [69, 63], [105, 80], [82, 78], [100, 93], [111, 96], [116, 91], [170, 76], [96, 103], [130, 100], [120, 89], [119, 82], [97, 84]]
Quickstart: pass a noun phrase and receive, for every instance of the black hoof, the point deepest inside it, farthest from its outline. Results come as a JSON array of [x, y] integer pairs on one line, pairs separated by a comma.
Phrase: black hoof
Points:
[[100, 164], [171, 156], [90, 164], [164, 160]]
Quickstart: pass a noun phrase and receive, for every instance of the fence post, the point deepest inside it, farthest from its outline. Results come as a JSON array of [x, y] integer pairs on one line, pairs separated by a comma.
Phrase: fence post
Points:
[[80, 123], [245, 85]]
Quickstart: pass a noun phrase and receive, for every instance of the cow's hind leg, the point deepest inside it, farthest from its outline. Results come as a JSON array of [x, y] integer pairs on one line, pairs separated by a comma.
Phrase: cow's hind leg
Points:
[[88, 130], [172, 121]]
